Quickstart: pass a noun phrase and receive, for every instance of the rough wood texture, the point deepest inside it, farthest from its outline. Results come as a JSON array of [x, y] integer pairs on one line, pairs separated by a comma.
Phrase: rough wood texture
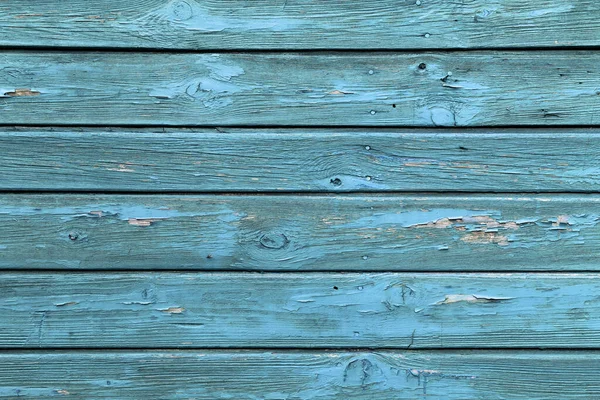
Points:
[[418, 233], [226, 160], [300, 24], [485, 88], [178, 310], [295, 375]]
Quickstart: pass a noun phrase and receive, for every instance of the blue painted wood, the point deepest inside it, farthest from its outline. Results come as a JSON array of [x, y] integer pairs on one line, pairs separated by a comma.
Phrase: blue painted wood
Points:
[[297, 160], [300, 24], [330, 89], [300, 233], [249, 310], [328, 245], [301, 375]]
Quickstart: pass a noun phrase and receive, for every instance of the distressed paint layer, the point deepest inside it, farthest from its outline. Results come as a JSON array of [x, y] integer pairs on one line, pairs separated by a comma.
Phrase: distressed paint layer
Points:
[[300, 233], [250, 375], [284, 160], [301, 24], [405, 89], [410, 311]]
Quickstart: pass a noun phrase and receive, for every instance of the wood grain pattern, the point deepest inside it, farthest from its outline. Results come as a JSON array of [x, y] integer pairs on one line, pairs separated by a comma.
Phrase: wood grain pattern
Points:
[[178, 310], [329, 89], [294, 375], [300, 24], [296, 160], [300, 233]]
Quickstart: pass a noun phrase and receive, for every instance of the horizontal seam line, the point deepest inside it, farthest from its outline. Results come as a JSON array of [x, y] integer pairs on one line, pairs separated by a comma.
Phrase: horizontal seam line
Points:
[[304, 50], [276, 126], [301, 349], [303, 193], [225, 271], [216, 129]]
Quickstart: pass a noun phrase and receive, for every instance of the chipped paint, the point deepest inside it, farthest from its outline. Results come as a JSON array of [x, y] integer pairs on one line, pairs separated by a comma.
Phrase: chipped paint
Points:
[[22, 93], [143, 221], [470, 298], [66, 304], [172, 310]]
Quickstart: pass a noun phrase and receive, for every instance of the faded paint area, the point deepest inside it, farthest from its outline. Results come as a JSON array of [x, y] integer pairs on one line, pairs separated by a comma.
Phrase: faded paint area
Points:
[[214, 90], [132, 89], [302, 310], [192, 15]]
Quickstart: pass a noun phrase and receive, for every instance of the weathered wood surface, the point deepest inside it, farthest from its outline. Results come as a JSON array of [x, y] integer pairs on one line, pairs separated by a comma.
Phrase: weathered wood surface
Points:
[[329, 89], [300, 24], [178, 310], [300, 375], [244, 160], [379, 232]]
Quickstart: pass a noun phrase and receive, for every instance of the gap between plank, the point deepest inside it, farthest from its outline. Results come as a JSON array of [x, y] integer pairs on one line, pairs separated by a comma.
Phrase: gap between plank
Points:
[[107, 49]]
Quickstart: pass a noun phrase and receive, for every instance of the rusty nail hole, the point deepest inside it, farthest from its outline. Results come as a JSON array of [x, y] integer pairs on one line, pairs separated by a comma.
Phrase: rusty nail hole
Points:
[[422, 66], [336, 181]]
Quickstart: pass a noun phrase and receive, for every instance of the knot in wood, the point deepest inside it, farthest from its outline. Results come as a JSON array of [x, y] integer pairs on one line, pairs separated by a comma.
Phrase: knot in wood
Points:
[[274, 240], [182, 11]]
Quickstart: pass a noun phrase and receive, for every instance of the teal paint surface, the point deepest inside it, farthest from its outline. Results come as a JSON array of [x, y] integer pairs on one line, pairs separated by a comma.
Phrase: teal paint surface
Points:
[[244, 200], [296, 160], [300, 310], [375, 232], [301, 24], [301, 375], [288, 89]]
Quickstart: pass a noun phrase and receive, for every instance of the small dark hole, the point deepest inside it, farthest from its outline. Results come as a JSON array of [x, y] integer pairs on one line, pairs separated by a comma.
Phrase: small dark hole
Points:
[[462, 148], [336, 181], [393, 105], [335, 288], [422, 66], [209, 256], [73, 236]]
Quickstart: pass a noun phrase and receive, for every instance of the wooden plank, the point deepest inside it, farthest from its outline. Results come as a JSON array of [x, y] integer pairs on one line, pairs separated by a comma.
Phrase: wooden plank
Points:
[[300, 233], [285, 160], [300, 24], [331, 310], [295, 375], [485, 88]]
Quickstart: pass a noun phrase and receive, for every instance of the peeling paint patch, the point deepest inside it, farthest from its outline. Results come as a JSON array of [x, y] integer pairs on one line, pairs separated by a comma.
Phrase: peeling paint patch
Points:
[[172, 310], [485, 238], [470, 298], [339, 92], [143, 221], [70, 303], [22, 93]]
